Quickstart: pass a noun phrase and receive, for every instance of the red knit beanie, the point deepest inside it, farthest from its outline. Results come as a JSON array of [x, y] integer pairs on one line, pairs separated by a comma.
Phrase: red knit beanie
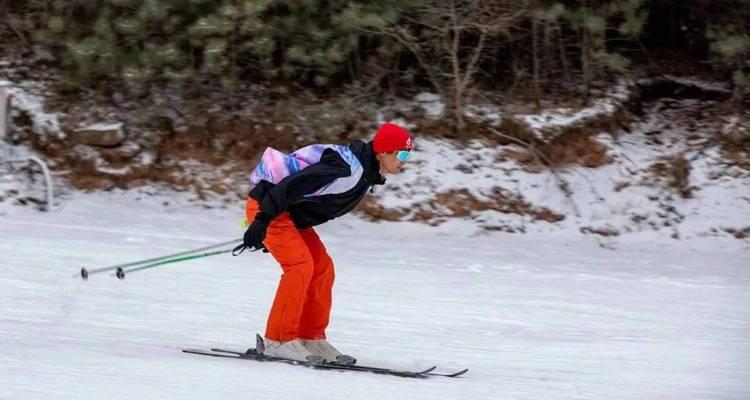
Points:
[[391, 137]]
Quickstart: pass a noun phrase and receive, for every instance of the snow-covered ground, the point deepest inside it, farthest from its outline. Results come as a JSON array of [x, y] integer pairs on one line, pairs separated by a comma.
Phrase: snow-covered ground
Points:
[[623, 196], [535, 316]]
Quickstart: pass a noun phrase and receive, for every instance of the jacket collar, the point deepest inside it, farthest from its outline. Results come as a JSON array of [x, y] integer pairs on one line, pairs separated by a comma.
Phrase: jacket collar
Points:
[[366, 156]]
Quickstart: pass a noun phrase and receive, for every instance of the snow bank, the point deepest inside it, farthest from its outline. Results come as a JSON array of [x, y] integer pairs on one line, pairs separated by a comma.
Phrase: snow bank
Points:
[[29, 99], [624, 196], [550, 121]]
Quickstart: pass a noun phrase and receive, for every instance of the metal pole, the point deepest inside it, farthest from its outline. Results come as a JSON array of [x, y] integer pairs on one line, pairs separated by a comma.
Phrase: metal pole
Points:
[[85, 272]]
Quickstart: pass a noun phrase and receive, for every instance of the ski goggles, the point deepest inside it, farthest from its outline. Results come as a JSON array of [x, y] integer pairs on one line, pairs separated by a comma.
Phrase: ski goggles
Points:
[[403, 155]]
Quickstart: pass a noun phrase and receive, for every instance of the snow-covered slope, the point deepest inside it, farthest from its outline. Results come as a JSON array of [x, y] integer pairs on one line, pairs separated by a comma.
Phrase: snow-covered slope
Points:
[[631, 193], [484, 182], [536, 316], [621, 197]]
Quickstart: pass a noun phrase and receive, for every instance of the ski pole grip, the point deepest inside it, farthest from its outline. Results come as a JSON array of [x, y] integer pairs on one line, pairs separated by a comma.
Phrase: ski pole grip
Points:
[[239, 249]]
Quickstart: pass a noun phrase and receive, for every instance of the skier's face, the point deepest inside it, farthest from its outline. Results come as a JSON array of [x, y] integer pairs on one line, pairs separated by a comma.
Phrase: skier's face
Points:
[[389, 163]]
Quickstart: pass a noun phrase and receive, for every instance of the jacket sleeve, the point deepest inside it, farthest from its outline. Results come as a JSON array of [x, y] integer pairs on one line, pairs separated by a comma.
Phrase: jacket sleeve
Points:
[[292, 188]]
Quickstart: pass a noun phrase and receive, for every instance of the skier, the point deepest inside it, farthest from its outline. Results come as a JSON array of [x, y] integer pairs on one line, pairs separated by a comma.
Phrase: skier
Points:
[[293, 193]]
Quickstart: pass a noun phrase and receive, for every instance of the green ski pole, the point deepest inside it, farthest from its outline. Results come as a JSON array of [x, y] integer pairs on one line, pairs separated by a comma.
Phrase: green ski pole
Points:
[[86, 272], [121, 272]]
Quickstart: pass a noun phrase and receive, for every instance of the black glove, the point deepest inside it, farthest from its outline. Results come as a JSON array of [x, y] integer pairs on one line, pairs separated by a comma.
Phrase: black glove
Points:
[[256, 232]]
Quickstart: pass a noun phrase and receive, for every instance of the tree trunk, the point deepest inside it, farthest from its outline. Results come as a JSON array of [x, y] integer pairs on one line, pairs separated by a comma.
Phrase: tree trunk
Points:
[[546, 64], [563, 55], [535, 61], [458, 111], [585, 62], [456, 75]]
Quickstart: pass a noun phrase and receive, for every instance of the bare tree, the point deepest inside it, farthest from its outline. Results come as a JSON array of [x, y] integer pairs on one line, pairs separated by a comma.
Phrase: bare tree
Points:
[[450, 39]]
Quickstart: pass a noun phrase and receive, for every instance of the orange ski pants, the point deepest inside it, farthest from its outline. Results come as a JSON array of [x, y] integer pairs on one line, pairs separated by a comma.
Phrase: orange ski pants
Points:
[[302, 305]]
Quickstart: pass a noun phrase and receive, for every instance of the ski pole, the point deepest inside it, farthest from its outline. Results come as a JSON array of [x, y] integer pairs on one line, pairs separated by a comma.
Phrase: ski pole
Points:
[[120, 274], [86, 272]]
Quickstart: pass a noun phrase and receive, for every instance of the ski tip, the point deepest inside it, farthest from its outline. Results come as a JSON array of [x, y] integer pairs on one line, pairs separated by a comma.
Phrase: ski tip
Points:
[[453, 375], [428, 370], [459, 373]]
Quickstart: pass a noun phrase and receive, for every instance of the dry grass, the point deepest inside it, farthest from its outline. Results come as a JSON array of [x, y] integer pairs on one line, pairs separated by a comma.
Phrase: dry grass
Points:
[[738, 233], [736, 149], [458, 203], [370, 208], [575, 147], [676, 171], [606, 232]]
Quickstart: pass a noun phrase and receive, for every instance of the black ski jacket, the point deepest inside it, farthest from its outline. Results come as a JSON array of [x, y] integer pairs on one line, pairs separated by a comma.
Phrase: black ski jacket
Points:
[[290, 193]]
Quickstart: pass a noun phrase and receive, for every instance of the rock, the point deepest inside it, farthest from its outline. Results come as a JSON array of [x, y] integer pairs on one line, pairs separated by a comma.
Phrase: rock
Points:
[[129, 150], [123, 153], [106, 135], [85, 153]]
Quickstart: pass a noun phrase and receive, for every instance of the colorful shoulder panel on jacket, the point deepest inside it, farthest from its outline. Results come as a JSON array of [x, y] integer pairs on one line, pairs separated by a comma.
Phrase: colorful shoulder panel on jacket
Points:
[[275, 166]]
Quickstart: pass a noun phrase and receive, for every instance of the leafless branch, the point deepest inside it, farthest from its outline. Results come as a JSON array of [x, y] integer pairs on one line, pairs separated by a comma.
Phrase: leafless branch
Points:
[[542, 159]]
